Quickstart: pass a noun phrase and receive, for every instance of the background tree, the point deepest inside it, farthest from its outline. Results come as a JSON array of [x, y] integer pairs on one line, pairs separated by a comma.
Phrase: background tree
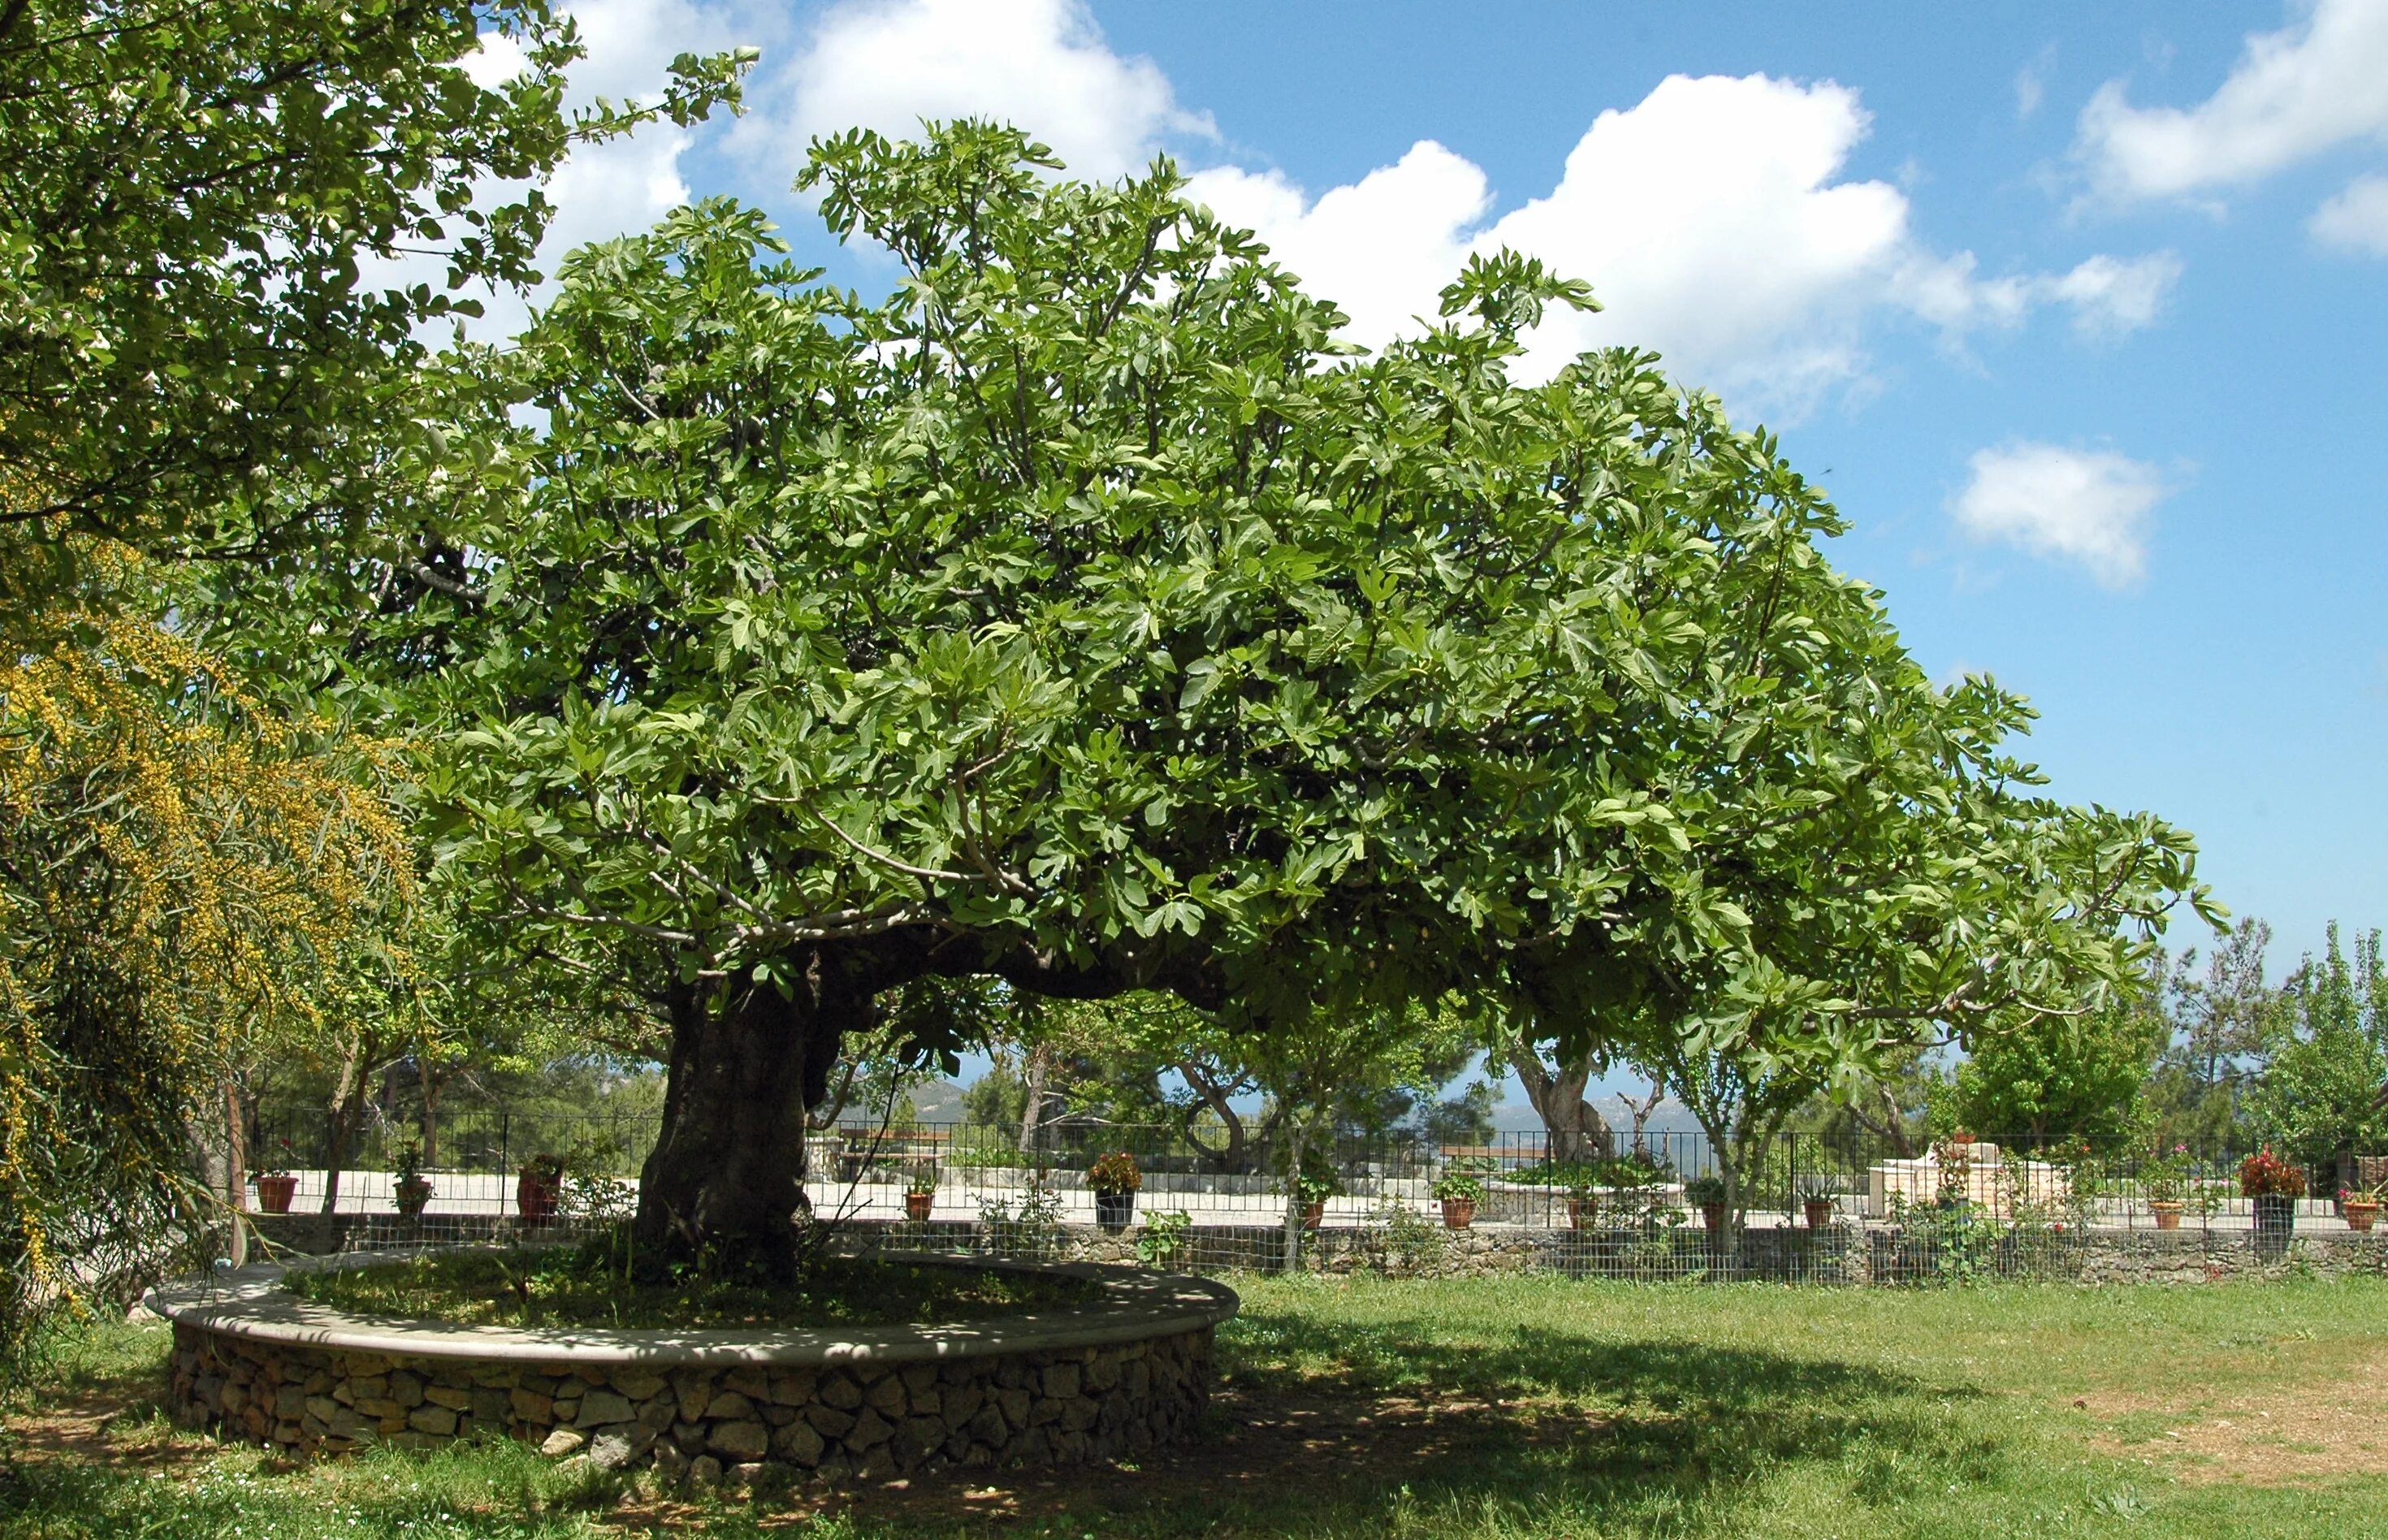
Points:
[[1574, 1127], [2320, 1097], [2054, 1077], [2224, 1022], [1073, 617]]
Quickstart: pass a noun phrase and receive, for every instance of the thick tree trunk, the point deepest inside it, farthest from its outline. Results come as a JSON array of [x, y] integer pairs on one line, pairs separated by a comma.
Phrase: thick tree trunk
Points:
[[725, 1181], [343, 1117], [1032, 1111], [1576, 1130], [1215, 1096]]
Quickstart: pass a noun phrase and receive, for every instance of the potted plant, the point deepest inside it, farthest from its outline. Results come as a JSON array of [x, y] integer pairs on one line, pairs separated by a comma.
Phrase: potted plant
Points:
[[1819, 1196], [538, 1188], [413, 1189], [2275, 1184], [1459, 1194], [1317, 1182], [1707, 1194], [275, 1185], [2167, 1182], [919, 1193], [2361, 1207], [1115, 1180], [1583, 1202]]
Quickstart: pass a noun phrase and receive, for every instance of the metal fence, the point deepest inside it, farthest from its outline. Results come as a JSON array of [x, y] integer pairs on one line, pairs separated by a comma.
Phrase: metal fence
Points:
[[1631, 1194]]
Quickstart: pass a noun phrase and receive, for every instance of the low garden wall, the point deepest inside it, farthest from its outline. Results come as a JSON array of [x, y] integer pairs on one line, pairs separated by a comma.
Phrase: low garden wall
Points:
[[1845, 1252], [1122, 1374]]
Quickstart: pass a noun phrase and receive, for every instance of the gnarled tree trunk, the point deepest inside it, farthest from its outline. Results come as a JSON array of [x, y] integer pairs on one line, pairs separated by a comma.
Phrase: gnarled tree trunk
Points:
[[725, 1181], [1576, 1130]]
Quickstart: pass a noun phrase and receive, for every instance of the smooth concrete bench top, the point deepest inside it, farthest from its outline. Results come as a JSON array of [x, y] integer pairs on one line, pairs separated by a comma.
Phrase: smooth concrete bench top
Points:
[[250, 1302]]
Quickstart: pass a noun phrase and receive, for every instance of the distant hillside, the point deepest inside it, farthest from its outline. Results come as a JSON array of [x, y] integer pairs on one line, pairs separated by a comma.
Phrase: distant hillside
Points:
[[1516, 1117]]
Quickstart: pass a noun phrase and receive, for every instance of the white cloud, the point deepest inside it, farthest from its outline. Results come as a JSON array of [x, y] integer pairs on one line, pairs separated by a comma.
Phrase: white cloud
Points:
[[2356, 219], [1042, 65], [1713, 221], [2110, 296], [2084, 505], [2292, 95], [1410, 222]]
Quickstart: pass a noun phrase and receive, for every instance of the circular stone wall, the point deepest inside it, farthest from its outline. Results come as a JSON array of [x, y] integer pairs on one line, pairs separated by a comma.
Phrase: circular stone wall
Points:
[[1081, 1382]]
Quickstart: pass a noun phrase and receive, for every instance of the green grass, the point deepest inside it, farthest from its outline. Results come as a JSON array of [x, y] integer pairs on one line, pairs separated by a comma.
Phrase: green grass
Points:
[[578, 1286], [1481, 1411]]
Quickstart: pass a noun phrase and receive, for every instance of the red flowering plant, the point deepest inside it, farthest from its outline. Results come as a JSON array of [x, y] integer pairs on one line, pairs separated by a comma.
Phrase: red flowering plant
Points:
[[2266, 1175]]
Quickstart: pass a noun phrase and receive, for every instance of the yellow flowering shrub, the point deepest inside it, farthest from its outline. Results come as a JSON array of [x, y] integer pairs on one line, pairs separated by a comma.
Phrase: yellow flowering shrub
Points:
[[186, 878]]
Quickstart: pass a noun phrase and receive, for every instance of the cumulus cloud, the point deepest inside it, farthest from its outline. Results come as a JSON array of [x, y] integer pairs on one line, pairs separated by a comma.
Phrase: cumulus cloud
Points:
[[2356, 219], [1713, 220], [1382, 249], [1042, 65], [2087, 506], [2292, 95]]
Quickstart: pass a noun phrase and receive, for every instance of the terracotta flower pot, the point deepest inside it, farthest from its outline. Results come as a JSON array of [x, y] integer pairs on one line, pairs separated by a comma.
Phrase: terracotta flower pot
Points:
[[412, 1195], [917, 1206], [1582, 1212], [1819, 1212], [2361, 1215], [1713, 1216], [2168, 1211], [536, 1195], [1458, 1213], [1313, 1213], [273, 1194]]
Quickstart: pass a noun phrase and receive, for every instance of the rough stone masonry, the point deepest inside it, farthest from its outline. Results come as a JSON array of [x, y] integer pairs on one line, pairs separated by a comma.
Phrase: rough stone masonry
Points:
[[1087, 1383]]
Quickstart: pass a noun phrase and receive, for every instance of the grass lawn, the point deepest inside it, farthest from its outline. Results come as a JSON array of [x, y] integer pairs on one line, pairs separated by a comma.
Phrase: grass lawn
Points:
[[1527, 1407]]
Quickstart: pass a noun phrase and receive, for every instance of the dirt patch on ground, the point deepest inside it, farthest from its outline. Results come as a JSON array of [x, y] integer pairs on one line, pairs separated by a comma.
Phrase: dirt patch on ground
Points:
[[92, 1427], [2322, 1429]]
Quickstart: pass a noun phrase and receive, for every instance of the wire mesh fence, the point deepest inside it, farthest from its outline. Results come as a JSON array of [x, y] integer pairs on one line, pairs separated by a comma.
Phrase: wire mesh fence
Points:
[[1659, 1193]]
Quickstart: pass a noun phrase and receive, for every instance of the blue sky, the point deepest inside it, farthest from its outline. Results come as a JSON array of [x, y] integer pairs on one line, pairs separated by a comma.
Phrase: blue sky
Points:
[[2081, 313]]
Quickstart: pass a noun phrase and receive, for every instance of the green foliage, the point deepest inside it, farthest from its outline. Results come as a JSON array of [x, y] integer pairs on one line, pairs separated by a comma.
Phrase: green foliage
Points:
[[584, 1285], [2321, 1095], [188, 195], [2054, 1078], [1078, 599], [1163, 1239], [1404, 1239], [1453, 1186]]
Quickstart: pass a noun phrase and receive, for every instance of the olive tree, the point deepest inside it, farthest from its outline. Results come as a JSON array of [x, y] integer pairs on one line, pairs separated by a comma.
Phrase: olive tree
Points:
[[1086, 615]]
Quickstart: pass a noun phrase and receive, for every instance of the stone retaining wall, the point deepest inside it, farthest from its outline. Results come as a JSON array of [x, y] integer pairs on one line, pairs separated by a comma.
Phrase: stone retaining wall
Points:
[[1844, 1252], [1018, 1391]]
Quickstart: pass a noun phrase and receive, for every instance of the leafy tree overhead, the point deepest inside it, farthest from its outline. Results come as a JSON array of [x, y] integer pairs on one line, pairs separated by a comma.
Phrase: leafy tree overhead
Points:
[[1081, 615], [186, 194]]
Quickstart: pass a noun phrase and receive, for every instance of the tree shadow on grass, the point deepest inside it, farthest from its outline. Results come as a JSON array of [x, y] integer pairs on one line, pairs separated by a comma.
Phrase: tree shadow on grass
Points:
[[1325, 1427]]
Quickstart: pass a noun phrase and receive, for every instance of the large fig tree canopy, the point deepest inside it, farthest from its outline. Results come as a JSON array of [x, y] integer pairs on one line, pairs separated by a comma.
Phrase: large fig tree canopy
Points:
[[1083, 613]]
